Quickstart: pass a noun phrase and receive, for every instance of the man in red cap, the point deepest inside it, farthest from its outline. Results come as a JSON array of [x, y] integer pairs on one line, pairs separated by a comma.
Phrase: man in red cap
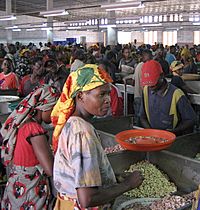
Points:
[[163, 105]]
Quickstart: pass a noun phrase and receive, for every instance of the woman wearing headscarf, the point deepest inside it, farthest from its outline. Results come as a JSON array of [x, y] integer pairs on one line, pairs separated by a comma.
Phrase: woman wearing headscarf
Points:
[[23, 64], [176, 80], [83, 175], [54, 75], [26, 151], [189, 65], [33, 80]]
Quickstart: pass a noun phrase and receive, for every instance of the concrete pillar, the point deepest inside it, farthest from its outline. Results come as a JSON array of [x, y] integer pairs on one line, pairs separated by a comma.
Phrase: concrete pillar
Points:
[[50, 22], [111, 36], [9, 22], [111, 31], [159, 37]]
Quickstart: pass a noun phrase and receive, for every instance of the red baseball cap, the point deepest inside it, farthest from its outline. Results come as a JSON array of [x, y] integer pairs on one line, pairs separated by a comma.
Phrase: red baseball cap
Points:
[[151, 71]]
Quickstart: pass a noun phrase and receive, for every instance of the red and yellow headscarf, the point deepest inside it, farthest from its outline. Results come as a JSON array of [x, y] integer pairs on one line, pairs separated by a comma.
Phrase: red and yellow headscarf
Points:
[[85, 78]]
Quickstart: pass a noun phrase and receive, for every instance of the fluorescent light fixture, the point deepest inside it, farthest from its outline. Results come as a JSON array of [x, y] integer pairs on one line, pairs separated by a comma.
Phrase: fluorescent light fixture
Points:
[[76, 27], [11, 27], [30, 29], [106, 26], [122, 6], [46, 29], [196, 24], [54, 13], [17, 29], [157, 24], [39, 24], [9, 17]]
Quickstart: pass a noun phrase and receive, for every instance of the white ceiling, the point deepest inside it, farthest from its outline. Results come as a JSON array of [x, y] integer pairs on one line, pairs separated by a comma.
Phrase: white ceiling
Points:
[[88, 9]]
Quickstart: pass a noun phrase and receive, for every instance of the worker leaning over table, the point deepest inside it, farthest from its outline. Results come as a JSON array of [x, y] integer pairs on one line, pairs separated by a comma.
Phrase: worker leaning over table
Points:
[[83, 175], [163, 105]]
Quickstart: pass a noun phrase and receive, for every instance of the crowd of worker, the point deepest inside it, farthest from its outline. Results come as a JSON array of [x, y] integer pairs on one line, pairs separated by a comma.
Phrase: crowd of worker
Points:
[[69, 86]]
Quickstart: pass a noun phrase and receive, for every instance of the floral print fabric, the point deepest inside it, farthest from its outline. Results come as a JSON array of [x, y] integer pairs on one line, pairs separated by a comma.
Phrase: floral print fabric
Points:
[[80, 160], [43, 98], [26, 188]]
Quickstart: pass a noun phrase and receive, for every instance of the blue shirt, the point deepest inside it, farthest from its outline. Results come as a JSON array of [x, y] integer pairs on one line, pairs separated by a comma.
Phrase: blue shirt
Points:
[[170, 58], [159, 104]]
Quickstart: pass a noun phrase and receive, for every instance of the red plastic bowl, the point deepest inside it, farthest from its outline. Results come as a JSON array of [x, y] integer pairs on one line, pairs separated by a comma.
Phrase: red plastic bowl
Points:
[[145, 139]]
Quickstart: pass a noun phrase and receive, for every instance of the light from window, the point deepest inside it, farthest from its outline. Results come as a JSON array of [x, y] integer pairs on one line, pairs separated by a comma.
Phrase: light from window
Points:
[[155, 18], [176, 17], [150, 37], [196, 37], [169, 38], [124, 37]]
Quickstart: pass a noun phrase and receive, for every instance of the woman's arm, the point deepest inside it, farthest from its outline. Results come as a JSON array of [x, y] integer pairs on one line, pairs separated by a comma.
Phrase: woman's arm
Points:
[[43, 153], [95, 196]]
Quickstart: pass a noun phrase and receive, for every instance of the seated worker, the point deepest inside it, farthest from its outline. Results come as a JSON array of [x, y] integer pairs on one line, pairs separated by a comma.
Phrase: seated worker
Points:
[[31, 81], [177, 71], [164, 106], [54, 75], [116, 98], [8, 79]]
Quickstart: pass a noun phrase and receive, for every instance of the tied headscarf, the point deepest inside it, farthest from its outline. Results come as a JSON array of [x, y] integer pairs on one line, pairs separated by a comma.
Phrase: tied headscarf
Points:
[[176, 65], [43, 98], [85, 78], [186, 53]]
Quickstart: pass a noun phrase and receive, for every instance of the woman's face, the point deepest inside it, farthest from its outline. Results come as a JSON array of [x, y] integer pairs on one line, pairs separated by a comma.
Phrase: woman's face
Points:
[[126, 53], [38, 68], [6, 66], [52, 68], [97, 101]]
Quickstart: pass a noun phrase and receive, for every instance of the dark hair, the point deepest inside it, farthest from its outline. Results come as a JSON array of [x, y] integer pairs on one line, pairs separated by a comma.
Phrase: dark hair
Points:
[[11, 67], [125, 48], [12, 48], [36, 59], [172, 47], [110, 55], [105, 63], [79, 54], [50, 63], [147, 51]]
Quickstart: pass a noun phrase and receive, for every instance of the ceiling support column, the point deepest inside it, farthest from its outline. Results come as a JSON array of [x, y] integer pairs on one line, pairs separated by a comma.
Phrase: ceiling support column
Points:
[[111, 29], [9, 22], [50, 22]]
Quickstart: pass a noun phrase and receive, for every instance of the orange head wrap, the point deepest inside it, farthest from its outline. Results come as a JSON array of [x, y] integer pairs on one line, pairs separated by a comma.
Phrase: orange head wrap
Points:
[[85, 78]]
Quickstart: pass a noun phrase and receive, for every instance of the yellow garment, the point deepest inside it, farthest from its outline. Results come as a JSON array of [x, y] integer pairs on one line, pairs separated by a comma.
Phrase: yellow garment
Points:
[[186, 53], [85, 78], [176, 65], [196, 200], [63, 204], [173, 111], [23, 51]]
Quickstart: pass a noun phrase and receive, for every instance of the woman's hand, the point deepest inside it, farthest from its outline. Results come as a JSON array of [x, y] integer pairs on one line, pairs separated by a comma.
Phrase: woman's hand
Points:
[[95, 196], [135, 179]]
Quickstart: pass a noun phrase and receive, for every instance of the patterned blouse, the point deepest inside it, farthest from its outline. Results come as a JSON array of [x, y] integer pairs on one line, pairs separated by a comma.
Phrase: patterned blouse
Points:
[[80, 160]]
